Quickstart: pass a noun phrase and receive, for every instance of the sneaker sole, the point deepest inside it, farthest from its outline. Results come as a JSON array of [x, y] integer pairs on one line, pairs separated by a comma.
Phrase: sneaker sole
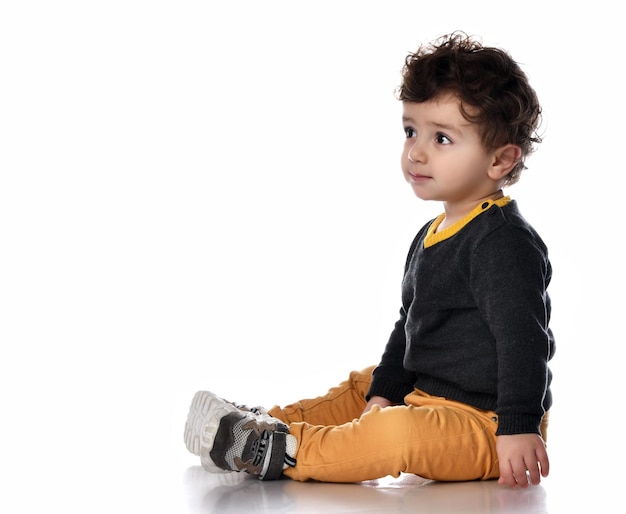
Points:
[[203, 420]]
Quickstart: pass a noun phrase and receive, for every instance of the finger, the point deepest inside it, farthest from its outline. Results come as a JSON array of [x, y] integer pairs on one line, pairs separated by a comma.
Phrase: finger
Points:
[[544, 462], [506, 476], [519, 471], [533, 472]]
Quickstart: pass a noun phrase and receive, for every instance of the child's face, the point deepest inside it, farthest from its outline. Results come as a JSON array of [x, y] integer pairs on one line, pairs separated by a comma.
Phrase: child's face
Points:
[[450, 162]]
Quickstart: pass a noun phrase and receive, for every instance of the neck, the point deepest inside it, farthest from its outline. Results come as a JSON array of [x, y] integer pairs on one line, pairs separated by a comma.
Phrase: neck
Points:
[[457, 211]]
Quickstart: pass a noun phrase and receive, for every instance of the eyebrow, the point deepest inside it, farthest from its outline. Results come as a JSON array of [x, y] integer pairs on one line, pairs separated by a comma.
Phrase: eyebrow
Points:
[[441, 126], [448, 128]]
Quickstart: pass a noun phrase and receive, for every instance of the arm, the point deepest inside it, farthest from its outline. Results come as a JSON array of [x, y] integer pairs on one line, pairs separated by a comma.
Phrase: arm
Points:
[[391, 382], [509, 277], [511, 292]]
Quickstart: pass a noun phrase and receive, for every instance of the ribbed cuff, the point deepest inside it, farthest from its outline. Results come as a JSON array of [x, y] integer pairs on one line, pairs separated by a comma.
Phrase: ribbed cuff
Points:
[[511, 424], [393, 391]]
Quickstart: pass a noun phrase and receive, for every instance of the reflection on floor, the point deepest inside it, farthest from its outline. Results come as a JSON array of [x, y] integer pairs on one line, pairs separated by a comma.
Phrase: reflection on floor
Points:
[[236, 492]]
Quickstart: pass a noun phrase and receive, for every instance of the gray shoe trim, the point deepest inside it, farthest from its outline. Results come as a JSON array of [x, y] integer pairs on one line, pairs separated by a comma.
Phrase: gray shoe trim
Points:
[[276, 459]]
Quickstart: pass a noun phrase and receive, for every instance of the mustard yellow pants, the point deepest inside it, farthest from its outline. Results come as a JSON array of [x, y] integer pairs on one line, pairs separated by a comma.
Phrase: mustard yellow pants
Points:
[[429, 436]]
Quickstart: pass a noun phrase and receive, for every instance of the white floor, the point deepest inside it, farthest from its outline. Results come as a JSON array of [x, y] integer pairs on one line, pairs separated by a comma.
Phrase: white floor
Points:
[[211, 493], [220, 494]]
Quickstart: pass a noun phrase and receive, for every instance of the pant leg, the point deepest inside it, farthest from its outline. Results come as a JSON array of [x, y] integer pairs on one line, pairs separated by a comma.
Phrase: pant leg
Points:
[[431, 437], [339, 405]]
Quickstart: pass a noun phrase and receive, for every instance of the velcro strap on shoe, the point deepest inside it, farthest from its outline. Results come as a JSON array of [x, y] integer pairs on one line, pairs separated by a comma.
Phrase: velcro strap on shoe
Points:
[[277, 457]]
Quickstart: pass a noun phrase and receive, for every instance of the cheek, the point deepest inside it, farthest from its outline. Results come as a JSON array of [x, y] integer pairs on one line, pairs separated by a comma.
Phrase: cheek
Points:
[[405, 165], [404, 161]]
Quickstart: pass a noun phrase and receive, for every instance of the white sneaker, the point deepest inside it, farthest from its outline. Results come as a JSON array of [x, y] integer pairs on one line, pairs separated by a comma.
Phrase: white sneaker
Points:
[[229, 438]]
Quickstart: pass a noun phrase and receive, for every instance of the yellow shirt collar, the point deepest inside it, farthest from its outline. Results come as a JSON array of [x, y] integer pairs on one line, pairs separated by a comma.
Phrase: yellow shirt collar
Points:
[[433, 237]]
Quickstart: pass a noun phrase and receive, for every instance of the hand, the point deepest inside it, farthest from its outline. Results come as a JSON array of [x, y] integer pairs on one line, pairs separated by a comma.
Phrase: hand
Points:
[[377, 400], [517, 455]]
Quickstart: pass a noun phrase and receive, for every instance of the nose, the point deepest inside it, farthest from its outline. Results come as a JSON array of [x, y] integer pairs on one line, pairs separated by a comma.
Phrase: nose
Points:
[[415, 153]]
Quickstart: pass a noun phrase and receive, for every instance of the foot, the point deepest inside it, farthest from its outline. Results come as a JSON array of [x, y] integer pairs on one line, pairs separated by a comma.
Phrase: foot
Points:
[[228, 438]]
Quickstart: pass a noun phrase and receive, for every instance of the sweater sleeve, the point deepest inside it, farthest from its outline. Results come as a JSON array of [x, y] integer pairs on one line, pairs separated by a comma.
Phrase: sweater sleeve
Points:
[[510, 273], [390, 378]]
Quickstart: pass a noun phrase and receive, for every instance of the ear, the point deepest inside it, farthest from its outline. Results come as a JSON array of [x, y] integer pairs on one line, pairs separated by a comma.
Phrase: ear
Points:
[[504, 158]]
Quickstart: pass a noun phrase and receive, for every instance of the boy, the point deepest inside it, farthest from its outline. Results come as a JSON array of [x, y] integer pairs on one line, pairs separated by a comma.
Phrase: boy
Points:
[[462, 389]]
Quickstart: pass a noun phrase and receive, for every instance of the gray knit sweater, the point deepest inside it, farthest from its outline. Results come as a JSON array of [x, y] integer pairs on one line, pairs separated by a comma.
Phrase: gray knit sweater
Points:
[[474, 321]]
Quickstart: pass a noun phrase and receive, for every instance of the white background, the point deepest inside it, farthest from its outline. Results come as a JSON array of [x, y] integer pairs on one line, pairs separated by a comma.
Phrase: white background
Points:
[[207, 195]]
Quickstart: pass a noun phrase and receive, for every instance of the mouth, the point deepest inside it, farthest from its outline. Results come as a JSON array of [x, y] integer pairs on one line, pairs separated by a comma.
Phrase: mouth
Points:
[[418, 178]]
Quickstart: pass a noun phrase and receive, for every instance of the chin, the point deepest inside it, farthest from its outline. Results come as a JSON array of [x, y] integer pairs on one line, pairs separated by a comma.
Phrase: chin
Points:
[[421, 194]]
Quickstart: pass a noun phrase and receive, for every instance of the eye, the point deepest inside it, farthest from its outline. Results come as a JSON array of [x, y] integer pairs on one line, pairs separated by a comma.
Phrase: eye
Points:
[[442, 139], [409, 132]]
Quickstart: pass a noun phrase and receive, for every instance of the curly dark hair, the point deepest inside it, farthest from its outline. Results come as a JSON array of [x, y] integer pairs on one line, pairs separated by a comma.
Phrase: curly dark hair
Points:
[[493, 90]]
